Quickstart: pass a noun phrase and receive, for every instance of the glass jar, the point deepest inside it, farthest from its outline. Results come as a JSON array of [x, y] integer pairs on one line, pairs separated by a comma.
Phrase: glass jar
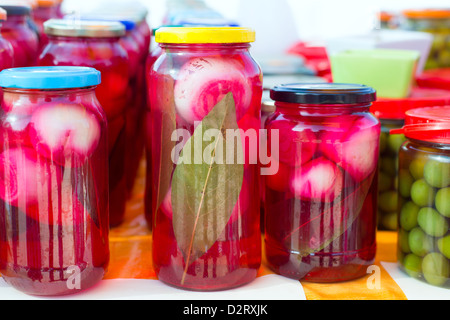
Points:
[[424, 205], [206, 229], [54, 180], [6, 49], [18, 31], [391, 113], [96, 44], [321, 194], [45, 10], [436, 22]]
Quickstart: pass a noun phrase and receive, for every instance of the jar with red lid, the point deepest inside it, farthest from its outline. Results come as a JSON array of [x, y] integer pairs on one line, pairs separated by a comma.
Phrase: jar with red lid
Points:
[[6, 49], [18, 30], [321, 193], [96, 44], [53, 180], [205, 86], [424, 205], [391, 113]]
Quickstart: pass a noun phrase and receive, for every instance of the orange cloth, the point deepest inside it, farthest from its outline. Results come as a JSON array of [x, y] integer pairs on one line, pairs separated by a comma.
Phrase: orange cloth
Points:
[[131, 258]]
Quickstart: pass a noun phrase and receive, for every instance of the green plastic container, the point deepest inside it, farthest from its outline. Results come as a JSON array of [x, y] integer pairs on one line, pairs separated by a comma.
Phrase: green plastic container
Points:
[[390, 72]]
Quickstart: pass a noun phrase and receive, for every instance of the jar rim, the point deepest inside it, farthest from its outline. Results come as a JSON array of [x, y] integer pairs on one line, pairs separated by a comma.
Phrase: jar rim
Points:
[[204, 35], [84, 28], [323, 93]]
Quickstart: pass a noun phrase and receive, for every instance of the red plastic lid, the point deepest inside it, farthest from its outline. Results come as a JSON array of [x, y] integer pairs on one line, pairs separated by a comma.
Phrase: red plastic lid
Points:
[[395, 109], [436, 78], [427, 124]]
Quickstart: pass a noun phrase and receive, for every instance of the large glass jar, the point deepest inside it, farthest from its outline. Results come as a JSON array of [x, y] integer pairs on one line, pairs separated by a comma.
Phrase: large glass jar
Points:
[[424, 193], [206, 228], [45, 10], [6, 49], [19, 32], [436, 22], [54, 180], [96, 44], [321, 191], [391, 113]]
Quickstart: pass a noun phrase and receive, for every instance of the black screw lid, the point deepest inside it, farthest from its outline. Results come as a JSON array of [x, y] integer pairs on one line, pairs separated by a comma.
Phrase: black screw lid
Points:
[[323, 93], [16, 10]]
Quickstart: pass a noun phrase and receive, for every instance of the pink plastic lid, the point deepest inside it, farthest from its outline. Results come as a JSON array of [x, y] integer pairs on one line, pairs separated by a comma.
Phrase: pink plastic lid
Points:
[[430, 124], [395, 109], [436, 78]]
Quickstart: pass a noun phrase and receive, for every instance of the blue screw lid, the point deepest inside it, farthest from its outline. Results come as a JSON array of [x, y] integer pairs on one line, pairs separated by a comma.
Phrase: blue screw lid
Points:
[[49, 77]]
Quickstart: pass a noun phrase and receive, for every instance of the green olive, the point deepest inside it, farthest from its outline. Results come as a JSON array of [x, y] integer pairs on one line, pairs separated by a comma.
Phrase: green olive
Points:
[[437, 173], [416, 168], [432, 222], [436, 269], [395, 141], [405, 182], [422, 194], [444, 246], [389, 221], [389, 166], [408, 215], [443, 202], [419, 243], [403, 241], [388, 201], [413, 265], [383, 142]]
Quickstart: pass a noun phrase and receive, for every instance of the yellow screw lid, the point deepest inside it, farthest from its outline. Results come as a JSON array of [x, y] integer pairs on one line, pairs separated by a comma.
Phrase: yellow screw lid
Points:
[[204, 35]]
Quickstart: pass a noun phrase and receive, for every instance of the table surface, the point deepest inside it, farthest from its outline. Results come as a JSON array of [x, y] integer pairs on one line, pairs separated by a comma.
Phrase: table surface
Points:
[[131, 245]]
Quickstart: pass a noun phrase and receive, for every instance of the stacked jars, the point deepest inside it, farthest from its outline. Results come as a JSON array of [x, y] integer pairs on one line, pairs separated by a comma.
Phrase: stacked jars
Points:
[[45, 10], [19, 30], [321, 183], [391, 113], [424, 219], [6, 49], [436, 22], [97, 44], [205, 87], [54, 180]]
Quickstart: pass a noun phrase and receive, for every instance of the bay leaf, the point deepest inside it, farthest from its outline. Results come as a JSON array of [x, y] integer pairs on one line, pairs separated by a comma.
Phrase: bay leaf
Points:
[[204, 194]]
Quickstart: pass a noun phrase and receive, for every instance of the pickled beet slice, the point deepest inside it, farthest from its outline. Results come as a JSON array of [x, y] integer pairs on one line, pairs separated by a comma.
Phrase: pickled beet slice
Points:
[[296, 146], [64, 131], [318, 180], [199, 87], [356, 152]]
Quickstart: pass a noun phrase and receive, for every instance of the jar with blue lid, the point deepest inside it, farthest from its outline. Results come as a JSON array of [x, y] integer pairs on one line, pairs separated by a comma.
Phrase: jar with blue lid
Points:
[[53, 180]]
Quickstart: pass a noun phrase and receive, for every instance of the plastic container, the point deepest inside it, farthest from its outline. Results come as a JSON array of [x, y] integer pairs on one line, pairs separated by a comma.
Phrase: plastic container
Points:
[[6, 49], [54, 178], [424, 201], [320, 203], [45, 10], [390, 72], [19, 30], [436, 22], [437, 78], [391, 113], [213, 243], [96, 44]]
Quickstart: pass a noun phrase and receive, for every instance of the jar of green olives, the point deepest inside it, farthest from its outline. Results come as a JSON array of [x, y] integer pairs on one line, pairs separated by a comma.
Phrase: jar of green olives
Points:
[[424, 196], [391, 113], [436, 22]]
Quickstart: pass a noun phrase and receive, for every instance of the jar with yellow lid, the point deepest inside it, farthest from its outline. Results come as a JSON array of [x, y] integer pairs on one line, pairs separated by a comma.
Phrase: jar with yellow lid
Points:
[[436, 22], [206, 87]]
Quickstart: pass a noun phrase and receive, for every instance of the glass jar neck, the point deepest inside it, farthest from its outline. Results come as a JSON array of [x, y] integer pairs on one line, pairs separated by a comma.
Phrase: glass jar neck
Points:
[[15, 20], [321, 109], [83, 39], [431, 145], [199, 47]]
